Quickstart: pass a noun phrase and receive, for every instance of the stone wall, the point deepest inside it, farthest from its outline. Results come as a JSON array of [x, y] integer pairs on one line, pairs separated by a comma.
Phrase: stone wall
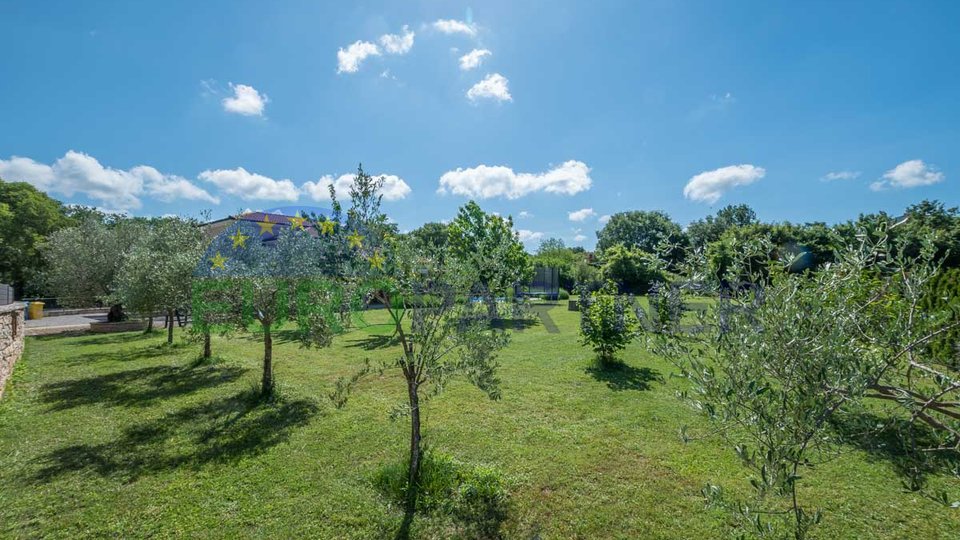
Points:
[[11, 340]]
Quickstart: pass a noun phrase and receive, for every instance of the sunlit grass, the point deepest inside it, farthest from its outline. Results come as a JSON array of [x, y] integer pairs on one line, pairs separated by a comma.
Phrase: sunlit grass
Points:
[[122, 436]]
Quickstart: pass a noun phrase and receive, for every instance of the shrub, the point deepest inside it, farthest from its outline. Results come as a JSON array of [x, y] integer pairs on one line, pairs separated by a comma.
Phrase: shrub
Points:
[[606, 324], [564, 294], [634, 270], [475, 495]]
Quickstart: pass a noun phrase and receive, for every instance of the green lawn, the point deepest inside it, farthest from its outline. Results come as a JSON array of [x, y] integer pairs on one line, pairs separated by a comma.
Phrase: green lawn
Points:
[[121, 436]]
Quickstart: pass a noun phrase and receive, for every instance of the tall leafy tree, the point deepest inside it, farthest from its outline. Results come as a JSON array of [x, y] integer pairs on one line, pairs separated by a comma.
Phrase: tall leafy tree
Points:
[[433, 236], [488, 243], [27, 217], [649, 231], [709, 229]]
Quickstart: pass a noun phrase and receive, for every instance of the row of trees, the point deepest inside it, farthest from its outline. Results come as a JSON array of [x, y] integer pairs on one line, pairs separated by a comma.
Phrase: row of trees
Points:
[[144, 265], [639, 248], [439, 292]]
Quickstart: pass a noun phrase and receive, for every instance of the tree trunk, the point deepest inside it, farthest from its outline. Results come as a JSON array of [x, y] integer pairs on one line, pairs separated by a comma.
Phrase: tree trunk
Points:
[[206, 345], [413, 476], [491, 301], [266, 385], [170, 327], [149, 323]]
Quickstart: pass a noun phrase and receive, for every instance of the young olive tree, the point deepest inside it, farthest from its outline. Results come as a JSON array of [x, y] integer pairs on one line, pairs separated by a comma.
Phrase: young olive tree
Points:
[[776, 359], [156, 274], [440, 333], [246, 285]]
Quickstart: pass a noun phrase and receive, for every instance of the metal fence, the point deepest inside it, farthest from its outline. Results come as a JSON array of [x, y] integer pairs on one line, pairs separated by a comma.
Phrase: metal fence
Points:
[[6, 294]]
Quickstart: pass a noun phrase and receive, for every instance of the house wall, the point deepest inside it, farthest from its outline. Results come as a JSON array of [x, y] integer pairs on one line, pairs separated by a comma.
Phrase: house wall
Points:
[[11, 340]]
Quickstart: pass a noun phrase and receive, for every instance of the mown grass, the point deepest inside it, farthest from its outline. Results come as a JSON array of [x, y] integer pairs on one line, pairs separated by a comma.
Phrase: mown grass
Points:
[[123, 436]]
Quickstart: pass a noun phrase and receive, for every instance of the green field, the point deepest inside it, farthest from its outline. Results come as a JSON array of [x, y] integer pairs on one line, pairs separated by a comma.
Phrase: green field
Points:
[[122, 436]]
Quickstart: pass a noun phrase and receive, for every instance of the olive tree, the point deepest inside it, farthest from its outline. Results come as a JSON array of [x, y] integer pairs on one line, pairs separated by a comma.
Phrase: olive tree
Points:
[[82, 262], [439, 331], [259, 288], [778, 358], [156, 274]]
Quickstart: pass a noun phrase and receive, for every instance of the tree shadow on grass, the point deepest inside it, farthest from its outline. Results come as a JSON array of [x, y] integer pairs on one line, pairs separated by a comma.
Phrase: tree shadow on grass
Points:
[[887, 438], [518, 324], [620, 376], [135, 387], [126, 355], [374, 341], [123, 337], [220, 431]]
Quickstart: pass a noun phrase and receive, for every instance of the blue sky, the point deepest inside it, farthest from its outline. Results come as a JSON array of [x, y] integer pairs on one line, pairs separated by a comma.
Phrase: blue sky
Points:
[[176, 107]]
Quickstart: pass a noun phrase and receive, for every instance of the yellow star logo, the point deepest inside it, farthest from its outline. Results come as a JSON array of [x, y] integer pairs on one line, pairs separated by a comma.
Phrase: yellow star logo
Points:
[[356, 241], [265, 226], [218, 261], [296, 221], [376, 261], [327, 227], [239, 239]]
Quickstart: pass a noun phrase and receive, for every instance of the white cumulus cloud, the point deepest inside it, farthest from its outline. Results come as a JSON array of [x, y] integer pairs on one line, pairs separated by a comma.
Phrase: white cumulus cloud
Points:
[[250, 186], [581, 215], [579, 238], [494, 86], [604, 219], [348, 61], [526, 235], [709, 186], [484, 182], [452, 26], [246, 100], [394, 187], [473, 59], [77, 173], [168, 188], [909, 174], [840, 175], [398, 43], [524, 214]]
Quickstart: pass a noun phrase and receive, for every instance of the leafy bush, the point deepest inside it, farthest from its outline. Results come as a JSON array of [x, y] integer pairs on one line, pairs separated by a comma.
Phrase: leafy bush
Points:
[[634, 270], [475, 495], [564, 294], [586, 276], [606, 324]]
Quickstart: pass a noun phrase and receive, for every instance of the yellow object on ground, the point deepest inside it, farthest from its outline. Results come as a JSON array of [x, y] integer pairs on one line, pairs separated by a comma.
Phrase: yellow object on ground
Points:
[[36, 310]]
